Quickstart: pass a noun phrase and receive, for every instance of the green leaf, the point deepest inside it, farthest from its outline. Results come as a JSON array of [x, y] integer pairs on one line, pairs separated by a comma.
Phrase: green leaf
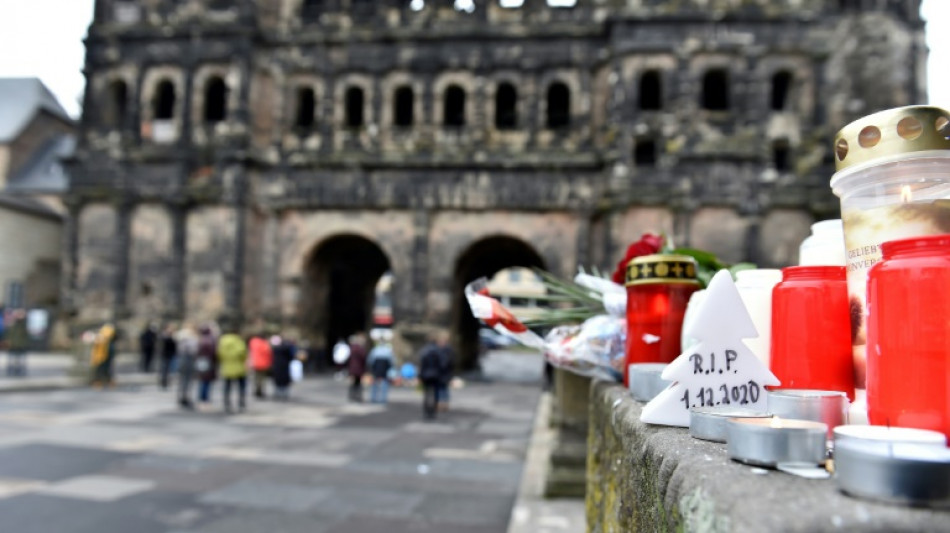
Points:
[[702, 257], [738, 267]]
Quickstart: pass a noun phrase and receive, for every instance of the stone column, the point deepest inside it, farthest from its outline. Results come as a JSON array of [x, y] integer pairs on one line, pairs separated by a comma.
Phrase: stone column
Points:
[[120, 257], [567, 468], [67, 292], [234, 293], [179, 213]]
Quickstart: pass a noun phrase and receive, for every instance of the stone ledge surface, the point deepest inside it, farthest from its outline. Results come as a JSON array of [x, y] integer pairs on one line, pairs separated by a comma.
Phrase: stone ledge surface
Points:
[[642, 477]]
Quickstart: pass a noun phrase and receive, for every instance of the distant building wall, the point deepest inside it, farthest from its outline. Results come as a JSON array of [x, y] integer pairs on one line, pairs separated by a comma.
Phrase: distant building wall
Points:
[[269, 128], [31, 242]]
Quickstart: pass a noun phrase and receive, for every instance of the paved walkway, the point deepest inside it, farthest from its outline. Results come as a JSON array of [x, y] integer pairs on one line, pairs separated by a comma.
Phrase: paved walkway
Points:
[[78, 460]]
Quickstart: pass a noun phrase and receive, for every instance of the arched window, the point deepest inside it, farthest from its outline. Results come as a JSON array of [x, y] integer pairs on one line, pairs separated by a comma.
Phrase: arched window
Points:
[[163, 106], [404, 106], [716, 90], [310, 11], [216, 100], [306, 108], [454, 110], [506, 107], [559, 105], [644, 153], [116, 104], [781, 87], [651, 92], [780, 156], [353, 106]]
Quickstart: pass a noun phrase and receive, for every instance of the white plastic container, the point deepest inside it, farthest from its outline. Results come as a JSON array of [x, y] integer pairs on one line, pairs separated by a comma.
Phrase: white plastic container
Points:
[[825, 245], [755, 289]]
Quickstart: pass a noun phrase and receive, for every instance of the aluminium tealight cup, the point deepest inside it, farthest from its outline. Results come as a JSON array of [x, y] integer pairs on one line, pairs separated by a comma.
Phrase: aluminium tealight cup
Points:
[[709, 423], [645, 380]]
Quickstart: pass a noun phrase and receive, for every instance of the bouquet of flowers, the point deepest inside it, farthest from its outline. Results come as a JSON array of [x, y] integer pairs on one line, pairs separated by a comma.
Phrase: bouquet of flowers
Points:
[[587, 317]]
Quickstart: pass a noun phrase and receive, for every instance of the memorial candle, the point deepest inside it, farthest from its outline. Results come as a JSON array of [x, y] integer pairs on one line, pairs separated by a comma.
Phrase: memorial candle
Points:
[[909, 335], [658, 289], [773, 441], [893, 178]]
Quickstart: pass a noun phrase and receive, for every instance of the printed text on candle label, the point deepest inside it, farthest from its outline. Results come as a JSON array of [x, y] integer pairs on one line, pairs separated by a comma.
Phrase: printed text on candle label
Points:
[[723, 395], [724, 362]]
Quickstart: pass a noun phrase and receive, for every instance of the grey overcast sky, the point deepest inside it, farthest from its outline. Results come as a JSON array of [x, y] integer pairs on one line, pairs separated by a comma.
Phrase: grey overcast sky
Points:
[[43, 38]]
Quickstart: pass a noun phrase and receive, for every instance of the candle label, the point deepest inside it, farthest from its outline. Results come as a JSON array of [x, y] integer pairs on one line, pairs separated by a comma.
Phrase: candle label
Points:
[[720, 369], [864, 231]]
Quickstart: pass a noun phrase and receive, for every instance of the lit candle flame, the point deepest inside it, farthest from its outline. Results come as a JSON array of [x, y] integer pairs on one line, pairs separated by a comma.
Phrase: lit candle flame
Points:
[[906, 195]]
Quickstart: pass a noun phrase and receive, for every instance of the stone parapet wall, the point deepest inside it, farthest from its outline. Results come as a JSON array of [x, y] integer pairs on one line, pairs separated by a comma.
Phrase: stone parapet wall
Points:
[[642, 477]]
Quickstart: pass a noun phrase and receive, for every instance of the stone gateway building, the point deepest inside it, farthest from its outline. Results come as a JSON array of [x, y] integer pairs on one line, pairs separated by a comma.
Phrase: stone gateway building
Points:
[[266, 161]]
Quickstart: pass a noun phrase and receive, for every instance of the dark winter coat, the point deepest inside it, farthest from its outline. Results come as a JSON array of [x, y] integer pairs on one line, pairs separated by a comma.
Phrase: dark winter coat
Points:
[[429, 364], [147, 341], [356, 365], [169, 347], [283, 354], [435, 364], [206, 363]]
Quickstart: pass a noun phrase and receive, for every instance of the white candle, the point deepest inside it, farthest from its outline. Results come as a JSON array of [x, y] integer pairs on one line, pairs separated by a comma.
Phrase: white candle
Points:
[[755, 289], [889, 434], [858, 411]]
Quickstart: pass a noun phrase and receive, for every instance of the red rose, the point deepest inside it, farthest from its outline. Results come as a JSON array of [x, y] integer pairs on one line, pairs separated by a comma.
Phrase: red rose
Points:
[[648, 244]]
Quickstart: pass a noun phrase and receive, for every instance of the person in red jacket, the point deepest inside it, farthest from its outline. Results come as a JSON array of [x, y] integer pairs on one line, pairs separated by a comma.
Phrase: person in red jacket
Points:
[[356, 365], [262, 358]]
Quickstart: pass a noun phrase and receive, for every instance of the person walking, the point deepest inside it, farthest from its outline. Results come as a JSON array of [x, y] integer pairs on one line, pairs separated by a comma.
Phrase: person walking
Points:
[[206, 363], [446, 367], [186, 342], [232, 360], [262, 357], [168, 349], [283, 354], [356, 365], [430, 374], [147, 341], [18, 342], [380, 362], [103, 354]]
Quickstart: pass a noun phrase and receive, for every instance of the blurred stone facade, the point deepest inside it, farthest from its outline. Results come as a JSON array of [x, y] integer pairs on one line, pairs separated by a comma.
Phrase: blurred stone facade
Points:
[[234, 154]]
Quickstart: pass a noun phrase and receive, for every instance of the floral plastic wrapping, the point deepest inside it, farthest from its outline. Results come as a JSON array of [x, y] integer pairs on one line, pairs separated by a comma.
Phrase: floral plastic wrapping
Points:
[[595, 348]]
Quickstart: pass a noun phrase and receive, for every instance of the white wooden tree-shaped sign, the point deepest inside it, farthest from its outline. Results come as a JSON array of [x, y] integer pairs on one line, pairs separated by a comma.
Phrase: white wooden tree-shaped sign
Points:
[[720, 370]]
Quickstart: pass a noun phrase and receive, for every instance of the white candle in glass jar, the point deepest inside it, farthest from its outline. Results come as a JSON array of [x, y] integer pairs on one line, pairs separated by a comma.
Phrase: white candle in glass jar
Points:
[[755, 288], [825, 245]]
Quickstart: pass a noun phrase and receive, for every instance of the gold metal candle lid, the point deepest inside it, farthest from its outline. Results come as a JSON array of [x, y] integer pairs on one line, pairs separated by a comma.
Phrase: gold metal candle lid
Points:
[[892, 132], [661, 268]]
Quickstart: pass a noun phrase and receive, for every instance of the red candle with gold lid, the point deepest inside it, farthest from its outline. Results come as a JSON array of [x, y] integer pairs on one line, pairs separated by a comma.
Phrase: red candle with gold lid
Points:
[[658, 289], [909, 334]]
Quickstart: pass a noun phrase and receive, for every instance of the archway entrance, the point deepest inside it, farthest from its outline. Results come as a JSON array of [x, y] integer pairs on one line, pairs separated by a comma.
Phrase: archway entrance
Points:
[[340, 278], [484, 258]]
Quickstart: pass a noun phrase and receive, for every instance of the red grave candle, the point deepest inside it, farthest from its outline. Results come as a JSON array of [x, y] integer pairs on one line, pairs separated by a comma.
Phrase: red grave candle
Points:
[[811, 330], [909, 334], [658, 289]]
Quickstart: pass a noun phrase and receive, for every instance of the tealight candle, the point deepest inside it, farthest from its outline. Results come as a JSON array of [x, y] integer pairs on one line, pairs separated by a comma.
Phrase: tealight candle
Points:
[[828, 407], [889, 434], [917, 474], [771, 441], [645, 380], [709, 423]]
